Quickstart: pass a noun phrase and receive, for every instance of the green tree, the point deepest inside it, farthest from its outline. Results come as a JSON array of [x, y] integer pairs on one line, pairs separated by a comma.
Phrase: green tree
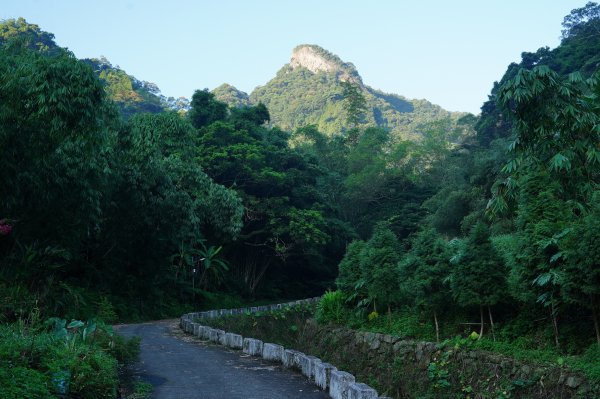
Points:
[[478, 278], [288, 228], [555, 121], [19, 32], [554, 170], [378, 264], [250, 116], [129, 94], [55, 137], [355, 104], [205, 109], [424, 273], [579, 18], [543, 219], [349, 269], [177, 206], [581, 279]]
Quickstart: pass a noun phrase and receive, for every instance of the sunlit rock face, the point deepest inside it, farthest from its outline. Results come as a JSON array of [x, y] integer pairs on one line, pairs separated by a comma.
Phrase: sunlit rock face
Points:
[[316, 59]]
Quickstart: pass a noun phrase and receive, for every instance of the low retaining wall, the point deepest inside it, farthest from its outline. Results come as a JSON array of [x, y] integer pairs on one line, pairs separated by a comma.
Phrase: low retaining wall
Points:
[[406, 367], [401, 368], [339, 384]]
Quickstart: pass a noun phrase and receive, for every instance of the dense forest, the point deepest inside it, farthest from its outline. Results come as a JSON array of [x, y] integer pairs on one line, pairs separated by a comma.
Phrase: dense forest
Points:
[[119, 201], [148, 207], [509, 235]]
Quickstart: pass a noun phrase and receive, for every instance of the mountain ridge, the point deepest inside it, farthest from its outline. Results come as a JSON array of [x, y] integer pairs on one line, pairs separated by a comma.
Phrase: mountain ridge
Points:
[[308, 91]]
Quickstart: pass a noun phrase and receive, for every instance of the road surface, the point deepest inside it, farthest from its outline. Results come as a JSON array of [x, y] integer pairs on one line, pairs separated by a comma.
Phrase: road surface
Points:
[[180, 366]]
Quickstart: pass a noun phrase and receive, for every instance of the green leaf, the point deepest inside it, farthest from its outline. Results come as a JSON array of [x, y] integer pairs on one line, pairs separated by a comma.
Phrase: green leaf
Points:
[[75, 324], [560, 162]]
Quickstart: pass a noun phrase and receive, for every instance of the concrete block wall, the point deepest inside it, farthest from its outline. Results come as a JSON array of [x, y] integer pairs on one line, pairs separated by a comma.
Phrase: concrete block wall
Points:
[[340, 384]]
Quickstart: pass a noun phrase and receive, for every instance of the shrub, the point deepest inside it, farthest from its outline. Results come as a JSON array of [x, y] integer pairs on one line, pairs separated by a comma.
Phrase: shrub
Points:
[[106, 311], [22, 382], [331, 309], [78, 358], [125, 350]]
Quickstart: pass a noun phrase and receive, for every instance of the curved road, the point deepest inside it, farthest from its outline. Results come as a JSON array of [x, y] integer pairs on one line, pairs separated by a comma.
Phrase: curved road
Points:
[[180, 366]]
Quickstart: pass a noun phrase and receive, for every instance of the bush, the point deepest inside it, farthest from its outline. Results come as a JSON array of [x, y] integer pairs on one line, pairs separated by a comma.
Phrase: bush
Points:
[[78, 358], [331, 308], [125, 350], [21, 382], [589, 364], [281, 327], [106, 311], [94, 375]]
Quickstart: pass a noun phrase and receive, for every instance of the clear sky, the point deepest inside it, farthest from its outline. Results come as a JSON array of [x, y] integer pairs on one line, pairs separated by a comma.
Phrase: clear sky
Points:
[[449, 52]]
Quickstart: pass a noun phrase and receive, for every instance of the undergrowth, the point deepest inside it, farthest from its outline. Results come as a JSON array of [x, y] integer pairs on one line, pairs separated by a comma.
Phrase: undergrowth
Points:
[[281, 326], [287, 327], [64, 359]]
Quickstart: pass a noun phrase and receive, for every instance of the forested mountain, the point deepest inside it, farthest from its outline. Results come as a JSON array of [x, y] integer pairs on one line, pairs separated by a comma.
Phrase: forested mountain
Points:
[[309, 90], [130, 95], [231, 96]]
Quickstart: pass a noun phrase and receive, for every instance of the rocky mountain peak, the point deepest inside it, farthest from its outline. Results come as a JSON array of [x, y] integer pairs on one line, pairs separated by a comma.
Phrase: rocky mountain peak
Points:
[[317, 59]]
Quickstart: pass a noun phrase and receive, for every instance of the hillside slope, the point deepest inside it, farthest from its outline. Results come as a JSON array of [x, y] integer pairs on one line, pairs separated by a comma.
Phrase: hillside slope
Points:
[[308, 91], [129, 94]]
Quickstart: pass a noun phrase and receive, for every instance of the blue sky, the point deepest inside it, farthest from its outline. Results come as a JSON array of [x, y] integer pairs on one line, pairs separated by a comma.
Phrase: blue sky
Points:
[[449, 52]]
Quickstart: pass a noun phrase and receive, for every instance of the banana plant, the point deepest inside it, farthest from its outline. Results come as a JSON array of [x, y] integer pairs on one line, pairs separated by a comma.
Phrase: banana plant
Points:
[[213, 267]]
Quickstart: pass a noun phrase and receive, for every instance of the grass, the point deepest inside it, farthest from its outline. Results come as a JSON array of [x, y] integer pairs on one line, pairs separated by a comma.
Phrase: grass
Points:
[[38, 362], [535, 346], [280, 327]]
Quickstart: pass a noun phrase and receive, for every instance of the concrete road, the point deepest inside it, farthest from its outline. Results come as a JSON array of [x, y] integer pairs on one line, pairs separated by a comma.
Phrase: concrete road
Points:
[[180, 366]]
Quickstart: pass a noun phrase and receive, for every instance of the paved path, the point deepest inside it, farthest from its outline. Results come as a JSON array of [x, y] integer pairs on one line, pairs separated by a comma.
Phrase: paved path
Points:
[[182, 367]]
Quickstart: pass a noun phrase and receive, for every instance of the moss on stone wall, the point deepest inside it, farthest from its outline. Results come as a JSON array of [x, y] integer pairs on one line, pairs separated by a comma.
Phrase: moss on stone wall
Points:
[[413, 369]]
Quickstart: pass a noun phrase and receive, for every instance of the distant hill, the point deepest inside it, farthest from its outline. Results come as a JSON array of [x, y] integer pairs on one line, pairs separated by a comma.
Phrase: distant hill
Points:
[[129, 94], [308, 91], [231, 96]]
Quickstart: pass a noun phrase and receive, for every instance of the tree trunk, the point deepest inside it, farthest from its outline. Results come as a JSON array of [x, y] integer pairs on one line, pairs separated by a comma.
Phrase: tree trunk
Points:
[[437, 327], [596, 326], [389, 316], [595, 318], [554, 325], [491, 323], [252, 274], [481, 314]]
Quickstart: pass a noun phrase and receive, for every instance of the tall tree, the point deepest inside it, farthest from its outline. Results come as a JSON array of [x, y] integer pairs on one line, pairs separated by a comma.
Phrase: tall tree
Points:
[[543, 219], [424, 272], [56, 130], [580, 18], [355, 104], [378, 263], [581, 278], [349, 268], [479, 275], [205, 109], [554, 171], [555, 131], [287, 228]]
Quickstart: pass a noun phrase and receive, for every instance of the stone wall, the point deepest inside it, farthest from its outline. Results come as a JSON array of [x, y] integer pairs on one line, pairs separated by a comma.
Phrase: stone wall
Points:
[[339, 384], [409, 368], [401, 368]]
